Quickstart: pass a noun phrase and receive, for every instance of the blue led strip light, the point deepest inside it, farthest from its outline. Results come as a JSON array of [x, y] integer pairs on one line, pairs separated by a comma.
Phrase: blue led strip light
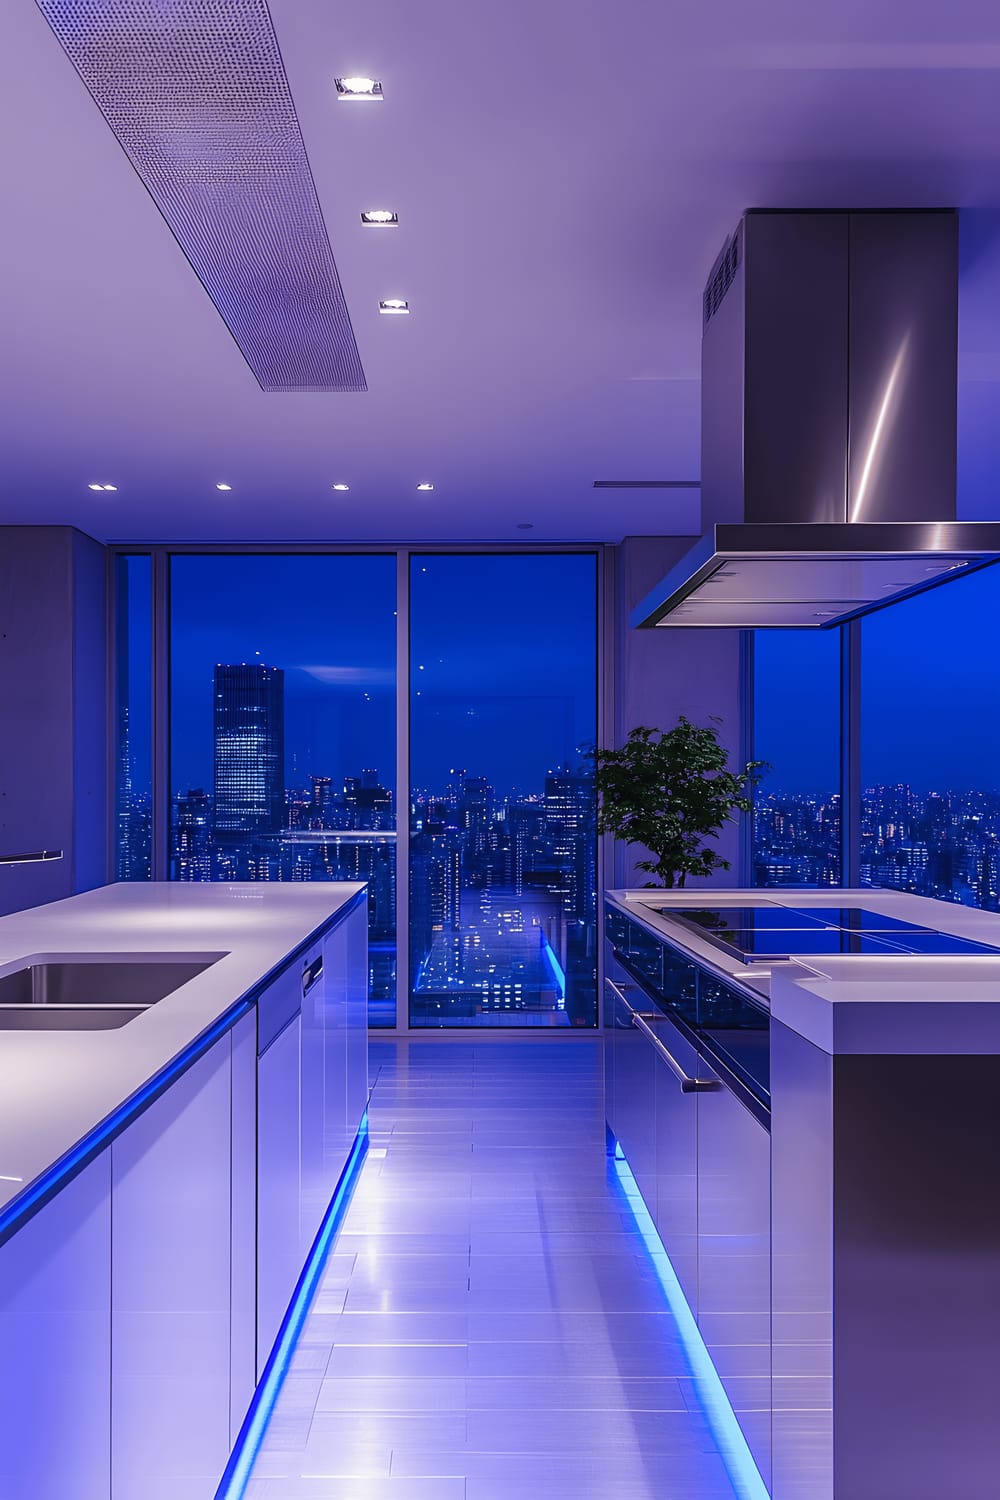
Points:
[[743, 1472], [19, 1210], [197, 95], [558, 972], [234, 1481], [34, 1197]]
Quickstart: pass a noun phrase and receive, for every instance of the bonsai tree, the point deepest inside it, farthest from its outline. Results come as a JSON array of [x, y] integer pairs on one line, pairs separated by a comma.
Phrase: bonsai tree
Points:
[[670, 792]]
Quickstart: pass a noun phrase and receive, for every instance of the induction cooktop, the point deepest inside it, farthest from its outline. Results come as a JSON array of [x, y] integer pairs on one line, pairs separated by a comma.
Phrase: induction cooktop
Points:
[[756, 934]]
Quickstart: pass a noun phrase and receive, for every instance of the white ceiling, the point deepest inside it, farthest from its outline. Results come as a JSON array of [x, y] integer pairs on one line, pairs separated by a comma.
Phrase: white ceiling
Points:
[[564, 175]]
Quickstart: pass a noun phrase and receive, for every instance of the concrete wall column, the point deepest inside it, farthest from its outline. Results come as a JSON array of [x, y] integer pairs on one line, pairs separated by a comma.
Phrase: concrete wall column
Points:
[[53, 710]]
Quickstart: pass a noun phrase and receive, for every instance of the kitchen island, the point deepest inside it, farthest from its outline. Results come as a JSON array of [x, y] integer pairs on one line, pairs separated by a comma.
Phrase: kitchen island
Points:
[[183, 1075], [807, 1087]]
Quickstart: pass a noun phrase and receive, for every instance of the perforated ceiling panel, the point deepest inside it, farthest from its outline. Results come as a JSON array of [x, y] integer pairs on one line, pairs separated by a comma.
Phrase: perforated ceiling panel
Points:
[[196, 93]]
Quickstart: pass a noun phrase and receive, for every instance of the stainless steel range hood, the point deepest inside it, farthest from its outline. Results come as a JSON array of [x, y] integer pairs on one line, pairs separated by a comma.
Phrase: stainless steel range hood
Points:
[[829, 381]]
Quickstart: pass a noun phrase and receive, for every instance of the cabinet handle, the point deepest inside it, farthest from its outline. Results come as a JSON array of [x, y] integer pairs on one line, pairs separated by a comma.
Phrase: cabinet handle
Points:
[[688, 1085], [641, 1021], [312, 975]]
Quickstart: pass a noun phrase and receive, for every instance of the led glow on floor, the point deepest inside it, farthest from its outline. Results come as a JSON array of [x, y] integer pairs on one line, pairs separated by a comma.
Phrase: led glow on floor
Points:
[[719, 1413], [490, 1324], [241, 1462]]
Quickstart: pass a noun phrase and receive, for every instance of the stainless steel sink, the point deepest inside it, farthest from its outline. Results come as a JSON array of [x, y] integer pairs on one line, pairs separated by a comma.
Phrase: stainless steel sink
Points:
[[67, 1017], [93, 993]]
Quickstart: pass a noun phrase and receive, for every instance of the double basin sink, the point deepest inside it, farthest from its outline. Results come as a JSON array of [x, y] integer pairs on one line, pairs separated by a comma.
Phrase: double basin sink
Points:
[[93, 992]]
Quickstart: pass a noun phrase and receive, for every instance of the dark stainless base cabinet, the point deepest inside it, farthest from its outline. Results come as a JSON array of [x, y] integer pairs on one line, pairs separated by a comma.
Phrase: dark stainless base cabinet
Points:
[[734, 1260], [632, 1102], [702, 1162], [676, 1210]]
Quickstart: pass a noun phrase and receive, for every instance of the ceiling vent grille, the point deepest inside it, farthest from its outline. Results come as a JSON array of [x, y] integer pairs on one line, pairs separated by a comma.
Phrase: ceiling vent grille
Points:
[[647, 484], [723, 275], [196, 92]]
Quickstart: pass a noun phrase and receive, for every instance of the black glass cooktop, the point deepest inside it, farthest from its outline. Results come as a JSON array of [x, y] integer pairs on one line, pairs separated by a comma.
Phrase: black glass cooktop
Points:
[[755, 933]]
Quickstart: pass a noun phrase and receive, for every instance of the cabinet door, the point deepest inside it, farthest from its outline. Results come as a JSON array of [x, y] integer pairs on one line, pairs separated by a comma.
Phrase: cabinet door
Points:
[[352, 953], [170, 1286], [612, 1019], [243, 1231], [635, 1092], [55, 1346], [675, 1210], [734, 1259], [322, 1110], [279, 1261]]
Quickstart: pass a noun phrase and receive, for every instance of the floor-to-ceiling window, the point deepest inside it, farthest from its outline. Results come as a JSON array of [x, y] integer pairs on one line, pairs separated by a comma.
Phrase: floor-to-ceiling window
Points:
[[133, 711], [930, 727], [503, 706], [796, 729], [283, 729], [282, 742]]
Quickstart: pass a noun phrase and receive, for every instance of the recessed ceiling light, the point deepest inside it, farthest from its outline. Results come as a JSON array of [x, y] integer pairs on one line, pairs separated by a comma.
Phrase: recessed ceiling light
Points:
[[341, 486], [102, 486], [425, 485], [358, 88], [379, 216], [223, 486], [393, 305]]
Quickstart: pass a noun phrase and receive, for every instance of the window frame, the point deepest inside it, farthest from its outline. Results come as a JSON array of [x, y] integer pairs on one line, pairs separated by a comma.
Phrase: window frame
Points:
[[849, 760], [160, 555]]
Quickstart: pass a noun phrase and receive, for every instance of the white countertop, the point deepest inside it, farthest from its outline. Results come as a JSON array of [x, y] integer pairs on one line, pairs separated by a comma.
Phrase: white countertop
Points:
[[58, 1086], [846, 1003]]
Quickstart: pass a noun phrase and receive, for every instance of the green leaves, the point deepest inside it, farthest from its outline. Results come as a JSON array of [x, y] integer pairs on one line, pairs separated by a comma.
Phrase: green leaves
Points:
[[669, 792]]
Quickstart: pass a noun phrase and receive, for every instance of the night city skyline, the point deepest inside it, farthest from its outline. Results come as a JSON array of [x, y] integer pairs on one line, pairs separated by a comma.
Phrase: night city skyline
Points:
[[502, 879], [502, 888], [935, 837]]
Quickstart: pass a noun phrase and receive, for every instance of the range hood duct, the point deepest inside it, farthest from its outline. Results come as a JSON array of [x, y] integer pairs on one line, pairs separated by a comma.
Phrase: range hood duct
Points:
[[829, 412]]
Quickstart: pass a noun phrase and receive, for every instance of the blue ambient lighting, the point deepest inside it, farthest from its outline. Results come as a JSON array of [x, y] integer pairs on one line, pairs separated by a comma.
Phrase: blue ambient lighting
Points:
[[732, 1445], [557, 970], [241, 1461]]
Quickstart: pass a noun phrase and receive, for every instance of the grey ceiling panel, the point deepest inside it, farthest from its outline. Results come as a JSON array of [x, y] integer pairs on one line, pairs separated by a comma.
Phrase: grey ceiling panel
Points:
[[196, 92]]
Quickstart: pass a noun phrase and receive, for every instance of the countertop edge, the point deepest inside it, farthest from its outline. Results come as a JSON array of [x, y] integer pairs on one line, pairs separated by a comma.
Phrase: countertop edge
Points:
[[857, 1006], [21, 1206]]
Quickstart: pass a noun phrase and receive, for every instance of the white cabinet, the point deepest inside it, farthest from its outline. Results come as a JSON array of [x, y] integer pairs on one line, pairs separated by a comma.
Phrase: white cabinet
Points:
[[324, 1042], [312, 1094], [279, 1044], [345, 1007], [138, 1306], [243, 1225], [170, 1289], [349, 947], [55, 1346]]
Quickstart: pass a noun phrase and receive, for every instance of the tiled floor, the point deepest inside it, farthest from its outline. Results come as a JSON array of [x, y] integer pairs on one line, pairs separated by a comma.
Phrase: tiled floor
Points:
[[489, 1326]]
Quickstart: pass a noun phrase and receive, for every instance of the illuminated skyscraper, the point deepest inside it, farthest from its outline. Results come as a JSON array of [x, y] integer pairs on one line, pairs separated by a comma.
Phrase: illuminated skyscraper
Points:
[[249, 750], [192, 836], [321, 801]]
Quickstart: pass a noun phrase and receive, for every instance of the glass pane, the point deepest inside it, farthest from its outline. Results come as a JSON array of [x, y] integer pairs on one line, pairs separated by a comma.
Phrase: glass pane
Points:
[[283, 730], [503, 673], [796, 728], [930, 724], [134, 707]]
